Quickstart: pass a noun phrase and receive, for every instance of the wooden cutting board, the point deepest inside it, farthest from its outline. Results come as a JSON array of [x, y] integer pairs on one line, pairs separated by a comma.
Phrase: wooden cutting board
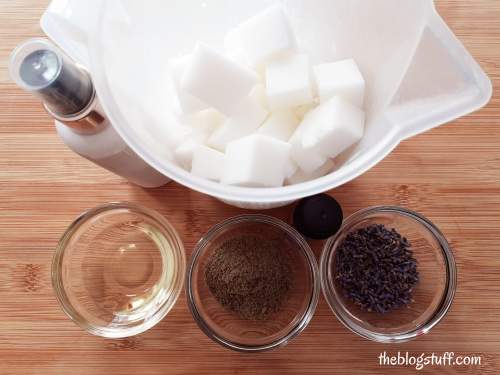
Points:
[[450, 174]]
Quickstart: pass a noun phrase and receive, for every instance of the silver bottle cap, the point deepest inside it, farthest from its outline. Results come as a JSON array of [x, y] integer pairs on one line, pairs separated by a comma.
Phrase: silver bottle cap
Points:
[[44, 70]]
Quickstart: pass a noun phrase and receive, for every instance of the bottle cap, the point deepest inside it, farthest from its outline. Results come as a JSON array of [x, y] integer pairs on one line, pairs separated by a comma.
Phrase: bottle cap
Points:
[[42, 69], [318, 217]]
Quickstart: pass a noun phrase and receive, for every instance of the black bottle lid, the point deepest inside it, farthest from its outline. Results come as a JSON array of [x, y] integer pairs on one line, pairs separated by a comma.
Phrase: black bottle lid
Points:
[[318, 217]]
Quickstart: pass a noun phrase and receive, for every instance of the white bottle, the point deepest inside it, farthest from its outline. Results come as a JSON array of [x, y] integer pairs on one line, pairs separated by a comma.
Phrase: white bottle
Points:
[[69, 96]]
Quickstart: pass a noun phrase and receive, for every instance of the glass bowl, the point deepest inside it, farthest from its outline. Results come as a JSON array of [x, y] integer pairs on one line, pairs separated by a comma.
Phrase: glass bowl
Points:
[[118, 269], [432, 296], [253, 335]]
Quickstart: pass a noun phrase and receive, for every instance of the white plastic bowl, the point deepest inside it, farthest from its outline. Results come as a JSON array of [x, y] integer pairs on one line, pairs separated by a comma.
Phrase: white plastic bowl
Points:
[[419, 74]]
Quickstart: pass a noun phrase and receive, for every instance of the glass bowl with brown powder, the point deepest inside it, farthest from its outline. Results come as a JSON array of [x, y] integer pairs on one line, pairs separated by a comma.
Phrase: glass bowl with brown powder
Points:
[[252, 283], [389, 274]]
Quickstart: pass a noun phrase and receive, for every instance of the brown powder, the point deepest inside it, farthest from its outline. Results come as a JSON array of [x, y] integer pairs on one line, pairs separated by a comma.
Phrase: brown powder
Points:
[[250, 276]]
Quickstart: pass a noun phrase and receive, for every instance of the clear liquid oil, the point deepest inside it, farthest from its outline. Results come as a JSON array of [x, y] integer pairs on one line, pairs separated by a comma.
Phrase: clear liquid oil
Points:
[[121, 271]]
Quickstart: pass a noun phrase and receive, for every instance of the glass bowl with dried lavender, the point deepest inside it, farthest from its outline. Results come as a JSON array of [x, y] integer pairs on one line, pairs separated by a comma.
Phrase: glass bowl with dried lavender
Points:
[[389, 274], [252, 283]]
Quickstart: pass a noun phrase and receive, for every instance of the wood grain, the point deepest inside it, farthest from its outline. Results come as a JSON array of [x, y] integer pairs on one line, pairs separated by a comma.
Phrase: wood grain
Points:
[[451, 175]]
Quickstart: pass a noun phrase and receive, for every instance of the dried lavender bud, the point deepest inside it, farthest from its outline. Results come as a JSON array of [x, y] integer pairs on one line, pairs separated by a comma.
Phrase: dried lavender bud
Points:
[[376, 269]]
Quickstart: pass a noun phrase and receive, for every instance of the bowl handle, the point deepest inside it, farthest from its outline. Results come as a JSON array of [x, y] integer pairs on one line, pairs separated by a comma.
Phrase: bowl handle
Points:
[[442, 83]]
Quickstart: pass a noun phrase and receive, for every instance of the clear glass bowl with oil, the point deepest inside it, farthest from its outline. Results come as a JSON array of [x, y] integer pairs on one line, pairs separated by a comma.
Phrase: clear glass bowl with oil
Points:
[[118, 269]]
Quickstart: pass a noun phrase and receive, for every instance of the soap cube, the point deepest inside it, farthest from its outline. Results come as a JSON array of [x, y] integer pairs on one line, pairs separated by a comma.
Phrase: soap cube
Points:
[[333, 127], [201, 126], [302, 110], [183, 154], [250, 115], [266, 36], [172, 131], [206, 121], [291, 168], [233, 48], [207, 163], [308, 159], [252, 109], [299, 176], [280, 125], [256, 161], [187, 103], [217, 80], [258, 94], [342, 78], [230, 131], [288, 82]]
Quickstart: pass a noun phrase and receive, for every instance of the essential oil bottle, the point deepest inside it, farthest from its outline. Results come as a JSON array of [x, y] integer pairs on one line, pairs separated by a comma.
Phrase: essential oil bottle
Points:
[[68, 94]]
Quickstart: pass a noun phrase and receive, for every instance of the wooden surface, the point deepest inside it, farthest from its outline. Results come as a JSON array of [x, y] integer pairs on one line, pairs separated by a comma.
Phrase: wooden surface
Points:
[[451, 175]]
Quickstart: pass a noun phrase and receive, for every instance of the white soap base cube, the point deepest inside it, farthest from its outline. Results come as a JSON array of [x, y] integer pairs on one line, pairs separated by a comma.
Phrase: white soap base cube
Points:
[[234, 51], [299, 176], [187, 103], [233, 48], [291, 168], [288, 82], [217, 80], [256, 161], [333, 127], [253, 109], [266, 36], [174, 132], [200, 125], [303, 110], [207, 163], [183, 154], [280, 125], [307, 159], [258, 94], [342, 78], [228, 132], [238, 57], [206, 121], [250, 115]]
